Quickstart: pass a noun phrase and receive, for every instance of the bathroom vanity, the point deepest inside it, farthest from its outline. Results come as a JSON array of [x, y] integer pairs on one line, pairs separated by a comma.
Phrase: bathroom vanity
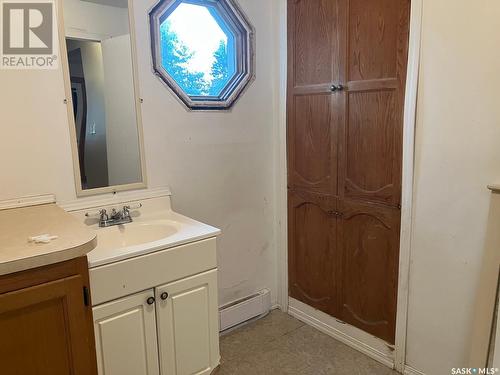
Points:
[[153, 275], [154, 292], [45, 309], [141, 302]]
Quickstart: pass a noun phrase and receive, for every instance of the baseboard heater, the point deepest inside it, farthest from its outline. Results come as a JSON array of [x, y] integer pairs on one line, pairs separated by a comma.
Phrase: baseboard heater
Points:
[[244, 309]]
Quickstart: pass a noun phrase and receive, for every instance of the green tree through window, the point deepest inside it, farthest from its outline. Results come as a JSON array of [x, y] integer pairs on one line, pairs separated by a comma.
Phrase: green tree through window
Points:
[[220, 70], [202, 50], [196, 58], [175, 58]]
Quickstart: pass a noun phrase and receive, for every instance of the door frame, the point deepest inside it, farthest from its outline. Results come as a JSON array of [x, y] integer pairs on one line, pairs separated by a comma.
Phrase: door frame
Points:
[[281, 209]]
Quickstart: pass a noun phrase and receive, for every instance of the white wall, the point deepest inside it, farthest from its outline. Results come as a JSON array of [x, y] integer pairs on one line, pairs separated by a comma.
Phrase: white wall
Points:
[[219, 165], [457, 155], [35, 152], [122, 140], [94, 21]]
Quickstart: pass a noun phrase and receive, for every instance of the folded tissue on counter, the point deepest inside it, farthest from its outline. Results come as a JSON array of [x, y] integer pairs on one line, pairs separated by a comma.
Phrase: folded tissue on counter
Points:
[[43, 238]]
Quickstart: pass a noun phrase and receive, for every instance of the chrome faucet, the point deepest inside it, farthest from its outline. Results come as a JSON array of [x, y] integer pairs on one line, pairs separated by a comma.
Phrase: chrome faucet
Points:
[[115, 217]]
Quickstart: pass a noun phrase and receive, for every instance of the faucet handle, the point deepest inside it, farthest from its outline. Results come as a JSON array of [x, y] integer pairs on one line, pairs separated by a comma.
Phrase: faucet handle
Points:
[[103, 215], [128, 208], [133, 207]]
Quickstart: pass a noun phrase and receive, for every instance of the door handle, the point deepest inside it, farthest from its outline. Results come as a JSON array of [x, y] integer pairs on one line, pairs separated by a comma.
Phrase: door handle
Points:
[[164, 296], [150, 300], [335, 88]]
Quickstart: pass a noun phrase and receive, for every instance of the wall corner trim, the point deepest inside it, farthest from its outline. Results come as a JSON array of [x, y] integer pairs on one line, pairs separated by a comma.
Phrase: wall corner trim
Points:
[[408, 165]]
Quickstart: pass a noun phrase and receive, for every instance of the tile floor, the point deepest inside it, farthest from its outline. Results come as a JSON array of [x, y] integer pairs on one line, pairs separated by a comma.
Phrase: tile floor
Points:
[[281, 344]]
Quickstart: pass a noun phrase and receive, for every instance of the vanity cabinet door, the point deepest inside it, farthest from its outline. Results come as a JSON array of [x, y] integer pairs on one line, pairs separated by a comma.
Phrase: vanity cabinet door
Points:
[[46, 321], [43, 330], [188, 325], [125, 332]]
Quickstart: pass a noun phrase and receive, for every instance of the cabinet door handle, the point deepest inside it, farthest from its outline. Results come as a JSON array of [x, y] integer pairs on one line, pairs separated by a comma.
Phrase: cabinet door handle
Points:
[[164, 296], [335, 88], [150, 300]]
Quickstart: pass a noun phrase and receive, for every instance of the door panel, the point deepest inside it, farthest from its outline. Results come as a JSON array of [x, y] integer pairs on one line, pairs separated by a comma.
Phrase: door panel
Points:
[[344, 150], [188, 325], [313, 24], [314, 48], [369, 235], [371, 150], [49, 323], [376, 70], [373, 38], [312, 154], [312, 250], [125, 332]]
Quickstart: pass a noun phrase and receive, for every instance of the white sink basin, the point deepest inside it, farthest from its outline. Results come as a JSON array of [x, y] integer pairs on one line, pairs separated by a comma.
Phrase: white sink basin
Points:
[[135, 233], [147, 234]]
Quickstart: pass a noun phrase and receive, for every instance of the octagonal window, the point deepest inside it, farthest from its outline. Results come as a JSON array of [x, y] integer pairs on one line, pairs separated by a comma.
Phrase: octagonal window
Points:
[[202, 50]]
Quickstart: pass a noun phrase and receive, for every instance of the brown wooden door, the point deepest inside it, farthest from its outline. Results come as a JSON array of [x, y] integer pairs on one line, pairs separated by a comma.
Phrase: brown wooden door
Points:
[[346, 80], [45, 328], [312, 137], [313, 255], [376, 61], [369, 246]]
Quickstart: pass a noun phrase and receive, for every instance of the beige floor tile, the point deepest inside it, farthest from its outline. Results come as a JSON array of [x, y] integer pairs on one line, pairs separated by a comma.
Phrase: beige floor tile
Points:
[[279, 344], [329, 356], [250, 338]]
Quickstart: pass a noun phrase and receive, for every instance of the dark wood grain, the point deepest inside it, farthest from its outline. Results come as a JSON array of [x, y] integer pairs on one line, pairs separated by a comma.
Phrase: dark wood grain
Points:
[[370, 163], [313, 43], [373, 39], [312, 144], [313, 255], [371, 154], [344, 151], [312, 135], [45, 326], [369, 238]]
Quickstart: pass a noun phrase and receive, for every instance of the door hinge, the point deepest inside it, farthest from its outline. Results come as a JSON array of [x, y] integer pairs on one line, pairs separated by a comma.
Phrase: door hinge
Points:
[[86, 296]]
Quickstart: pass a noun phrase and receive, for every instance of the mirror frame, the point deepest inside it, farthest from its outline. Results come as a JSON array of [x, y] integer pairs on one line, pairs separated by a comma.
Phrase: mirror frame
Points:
[[80, 192]]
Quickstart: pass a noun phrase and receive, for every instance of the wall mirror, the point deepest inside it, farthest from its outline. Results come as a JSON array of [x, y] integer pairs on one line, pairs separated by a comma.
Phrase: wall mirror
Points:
[[103, 102]]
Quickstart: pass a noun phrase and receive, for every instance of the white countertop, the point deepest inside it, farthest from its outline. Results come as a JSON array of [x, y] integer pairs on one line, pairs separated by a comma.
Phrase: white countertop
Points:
[[177, 229]]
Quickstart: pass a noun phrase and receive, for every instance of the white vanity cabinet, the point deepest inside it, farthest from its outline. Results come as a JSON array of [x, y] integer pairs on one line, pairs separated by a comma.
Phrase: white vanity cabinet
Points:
[[125, 334], [162, 318], [188, 325]]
